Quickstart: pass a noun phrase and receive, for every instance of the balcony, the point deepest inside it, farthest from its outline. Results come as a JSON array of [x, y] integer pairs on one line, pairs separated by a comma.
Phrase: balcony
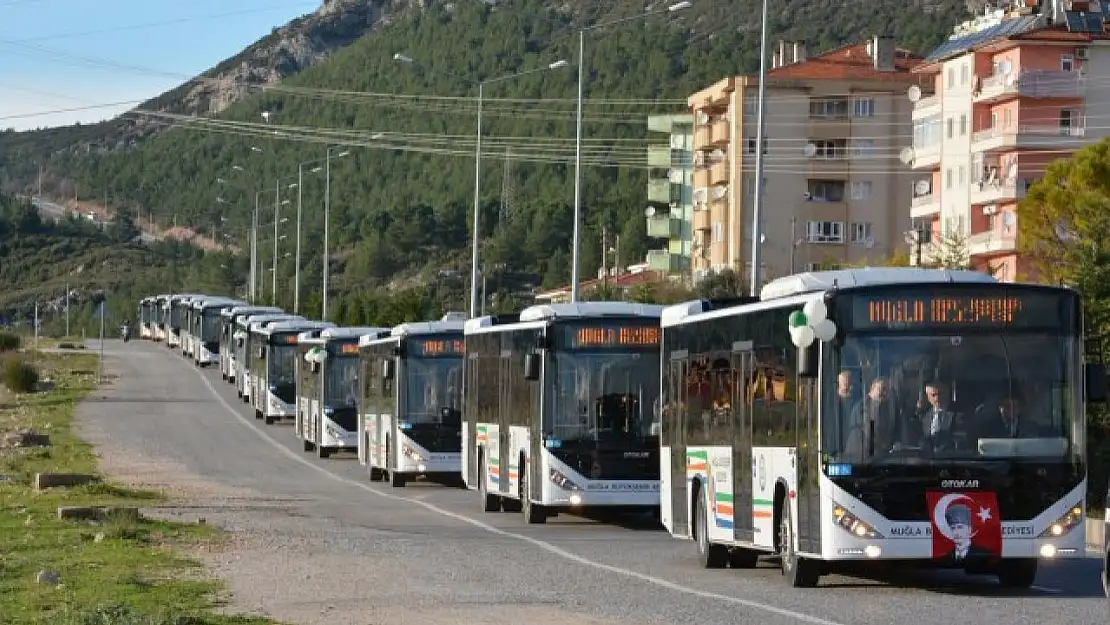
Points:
[[991, 242], [926, 107], [991, 192], [702, 220], [833, 164], [926, 156], [703, 136], [662, 191], [720, 132], [924, 206], [1045, 136], [719, 173], [665, 261], [663, 226], [1031, 84], [659, 156]]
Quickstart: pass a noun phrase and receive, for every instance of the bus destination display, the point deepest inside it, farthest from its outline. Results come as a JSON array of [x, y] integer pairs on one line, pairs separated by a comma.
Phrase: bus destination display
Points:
[[348, 349], [906, 311], [587, 337], [438, 347]]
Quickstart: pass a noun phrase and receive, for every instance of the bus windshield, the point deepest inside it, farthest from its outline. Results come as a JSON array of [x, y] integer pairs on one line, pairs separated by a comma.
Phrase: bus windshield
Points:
[[341, 383], [911, 398], [210, 325], [432, 384], [600, 395], [283, 364]]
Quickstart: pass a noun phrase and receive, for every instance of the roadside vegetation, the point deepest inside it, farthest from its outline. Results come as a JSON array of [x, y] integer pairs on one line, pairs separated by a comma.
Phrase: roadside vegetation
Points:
[[120, 570]]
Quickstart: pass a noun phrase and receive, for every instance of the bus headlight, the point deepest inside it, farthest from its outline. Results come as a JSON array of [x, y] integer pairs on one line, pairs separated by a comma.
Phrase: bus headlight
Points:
[[851, 524], [1064, 524], [562, 481], [411, 453]]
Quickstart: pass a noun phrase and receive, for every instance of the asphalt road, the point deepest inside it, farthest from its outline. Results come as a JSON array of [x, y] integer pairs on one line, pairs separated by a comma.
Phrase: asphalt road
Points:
[[58, 212], [435, 545]]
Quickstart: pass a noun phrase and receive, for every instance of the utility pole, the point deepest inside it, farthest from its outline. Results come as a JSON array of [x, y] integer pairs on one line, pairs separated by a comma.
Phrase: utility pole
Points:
[[604, 257], [297, 269], [277, 214], [36, 325], [100, 365], [793, 242], [327, 227], [67, 310]]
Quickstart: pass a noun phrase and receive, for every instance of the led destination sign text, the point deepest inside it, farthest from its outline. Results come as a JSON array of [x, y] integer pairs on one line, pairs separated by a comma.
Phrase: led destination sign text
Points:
[[642, 336], [1021, 310], [439, 347]]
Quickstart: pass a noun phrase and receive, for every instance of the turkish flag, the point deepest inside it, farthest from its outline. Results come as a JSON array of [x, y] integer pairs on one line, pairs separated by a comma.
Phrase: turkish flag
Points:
[[965, 525]]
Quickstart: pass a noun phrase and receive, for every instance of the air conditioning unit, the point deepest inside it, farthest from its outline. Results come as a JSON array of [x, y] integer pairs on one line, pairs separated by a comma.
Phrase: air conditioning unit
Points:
[[1081, 54]]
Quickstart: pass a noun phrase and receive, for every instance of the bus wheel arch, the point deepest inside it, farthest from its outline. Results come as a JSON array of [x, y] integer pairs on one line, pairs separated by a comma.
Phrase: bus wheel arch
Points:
[[711, 555]]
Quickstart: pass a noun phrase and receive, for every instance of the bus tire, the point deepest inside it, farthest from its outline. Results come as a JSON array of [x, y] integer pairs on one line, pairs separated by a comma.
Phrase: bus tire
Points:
[[268, 420], [1017, 572], [534, 513], [490, 503], [742, 558], [323, 452], [711, 555], [397, 480], [799, 572], [307, 444], [258, 414]]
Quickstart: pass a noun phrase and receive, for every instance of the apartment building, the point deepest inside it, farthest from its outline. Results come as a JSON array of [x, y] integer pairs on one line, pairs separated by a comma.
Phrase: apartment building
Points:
[[670, 193], [1014, 89], [835, 191]]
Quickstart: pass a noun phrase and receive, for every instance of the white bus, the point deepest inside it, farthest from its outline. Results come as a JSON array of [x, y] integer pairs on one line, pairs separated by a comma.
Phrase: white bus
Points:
[[175, 307], [327, 389], [244, 347], [208, 324], [273, 368], [870, 414], [559, 405], [410, 412], [159, 316], [229, 317]]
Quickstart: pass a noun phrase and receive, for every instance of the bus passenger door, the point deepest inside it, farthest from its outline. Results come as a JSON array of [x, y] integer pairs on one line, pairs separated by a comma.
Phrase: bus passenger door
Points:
[[740, 437], [675, 500], [505, 417]]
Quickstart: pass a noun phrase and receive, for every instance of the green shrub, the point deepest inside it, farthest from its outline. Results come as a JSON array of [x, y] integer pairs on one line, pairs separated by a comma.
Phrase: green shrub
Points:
[[20, 376], [9, 342]]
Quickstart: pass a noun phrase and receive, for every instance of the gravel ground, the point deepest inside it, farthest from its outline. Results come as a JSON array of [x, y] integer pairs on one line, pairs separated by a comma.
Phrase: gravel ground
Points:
[[315, 542]]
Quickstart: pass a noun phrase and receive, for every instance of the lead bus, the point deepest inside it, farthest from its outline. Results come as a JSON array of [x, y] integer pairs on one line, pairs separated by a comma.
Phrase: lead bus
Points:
[[559, 409], [410, 411], [909, 416]]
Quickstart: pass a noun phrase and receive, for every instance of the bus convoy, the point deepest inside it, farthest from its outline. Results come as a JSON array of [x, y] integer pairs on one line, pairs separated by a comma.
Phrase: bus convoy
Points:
[[877, 414]]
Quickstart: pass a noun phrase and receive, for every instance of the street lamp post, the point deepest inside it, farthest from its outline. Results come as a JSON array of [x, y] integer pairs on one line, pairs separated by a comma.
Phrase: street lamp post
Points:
[[327, 228], [761, 126], [277, 213], [297, 260], [476, 227], [577, 236]]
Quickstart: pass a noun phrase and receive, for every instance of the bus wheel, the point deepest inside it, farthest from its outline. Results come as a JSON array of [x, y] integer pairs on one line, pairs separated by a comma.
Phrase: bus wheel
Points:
[[397, 480], [712, 556], [323, 452], [1017, 573], [307, 444], [490, 503], [534, 513], [799, 572], [741, 558]]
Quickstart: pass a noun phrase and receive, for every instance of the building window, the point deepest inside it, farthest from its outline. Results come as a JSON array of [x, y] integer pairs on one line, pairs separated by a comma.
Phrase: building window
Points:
[[825, 231], [861, 190], [826, 191], [1069, 122], [830, 148], [749, 185], [749, 147], [927, 132], [1007, 117], [1067, 63], [951, 77], [864, 148], [861, 232], [828, 107], [963, 75], [864, 107], [963, 125], [751, 105], [961, 176], [948, 178], [718, 231], [951, 126]]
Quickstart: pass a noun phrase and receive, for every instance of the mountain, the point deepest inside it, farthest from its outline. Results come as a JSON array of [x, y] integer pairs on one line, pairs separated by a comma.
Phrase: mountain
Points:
[[401, 201]]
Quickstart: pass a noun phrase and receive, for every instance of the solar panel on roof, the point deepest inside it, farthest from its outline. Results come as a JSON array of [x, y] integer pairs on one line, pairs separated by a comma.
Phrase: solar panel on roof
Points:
[[1094, 22], [1074, 21], [1006, 28], [1105, 10]]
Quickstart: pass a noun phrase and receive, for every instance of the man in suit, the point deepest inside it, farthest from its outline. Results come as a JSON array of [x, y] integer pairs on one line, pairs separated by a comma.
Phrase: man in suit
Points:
[[958, 518], [937, 424], [874, 413]]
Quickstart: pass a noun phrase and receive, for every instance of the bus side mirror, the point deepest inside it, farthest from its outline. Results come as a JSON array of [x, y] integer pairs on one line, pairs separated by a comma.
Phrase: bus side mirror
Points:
[[532, 366], [387, 369], [807, 361], [1095, 374]]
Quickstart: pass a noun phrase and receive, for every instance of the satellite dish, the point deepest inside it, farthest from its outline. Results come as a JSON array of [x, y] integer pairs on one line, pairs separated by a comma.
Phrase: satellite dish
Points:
[[906, 156], [922, 187], [913, 93], [649, 211], [1004, 66], [810, 150]]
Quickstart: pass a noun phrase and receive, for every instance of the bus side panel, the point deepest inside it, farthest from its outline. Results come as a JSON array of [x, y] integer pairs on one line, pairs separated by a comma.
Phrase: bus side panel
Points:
[[673, 434], [504, 419], [808, 468]]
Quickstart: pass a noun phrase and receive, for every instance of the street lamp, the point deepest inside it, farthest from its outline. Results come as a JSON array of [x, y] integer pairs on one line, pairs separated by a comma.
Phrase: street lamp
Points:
[[327, 228], [478, 168], [577, 237], [761, 127]]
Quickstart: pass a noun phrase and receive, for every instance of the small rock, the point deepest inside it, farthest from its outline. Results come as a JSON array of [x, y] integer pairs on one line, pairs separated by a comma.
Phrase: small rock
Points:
[[49, 577]]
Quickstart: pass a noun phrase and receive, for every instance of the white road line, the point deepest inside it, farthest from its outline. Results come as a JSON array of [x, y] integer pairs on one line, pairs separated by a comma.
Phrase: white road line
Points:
[[548, 547]]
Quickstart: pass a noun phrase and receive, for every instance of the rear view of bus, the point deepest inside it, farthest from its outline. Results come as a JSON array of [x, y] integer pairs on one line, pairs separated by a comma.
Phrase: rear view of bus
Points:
[[560, 408]]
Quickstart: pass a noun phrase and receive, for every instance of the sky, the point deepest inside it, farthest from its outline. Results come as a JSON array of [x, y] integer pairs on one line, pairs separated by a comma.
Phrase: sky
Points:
[[61, 61]]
